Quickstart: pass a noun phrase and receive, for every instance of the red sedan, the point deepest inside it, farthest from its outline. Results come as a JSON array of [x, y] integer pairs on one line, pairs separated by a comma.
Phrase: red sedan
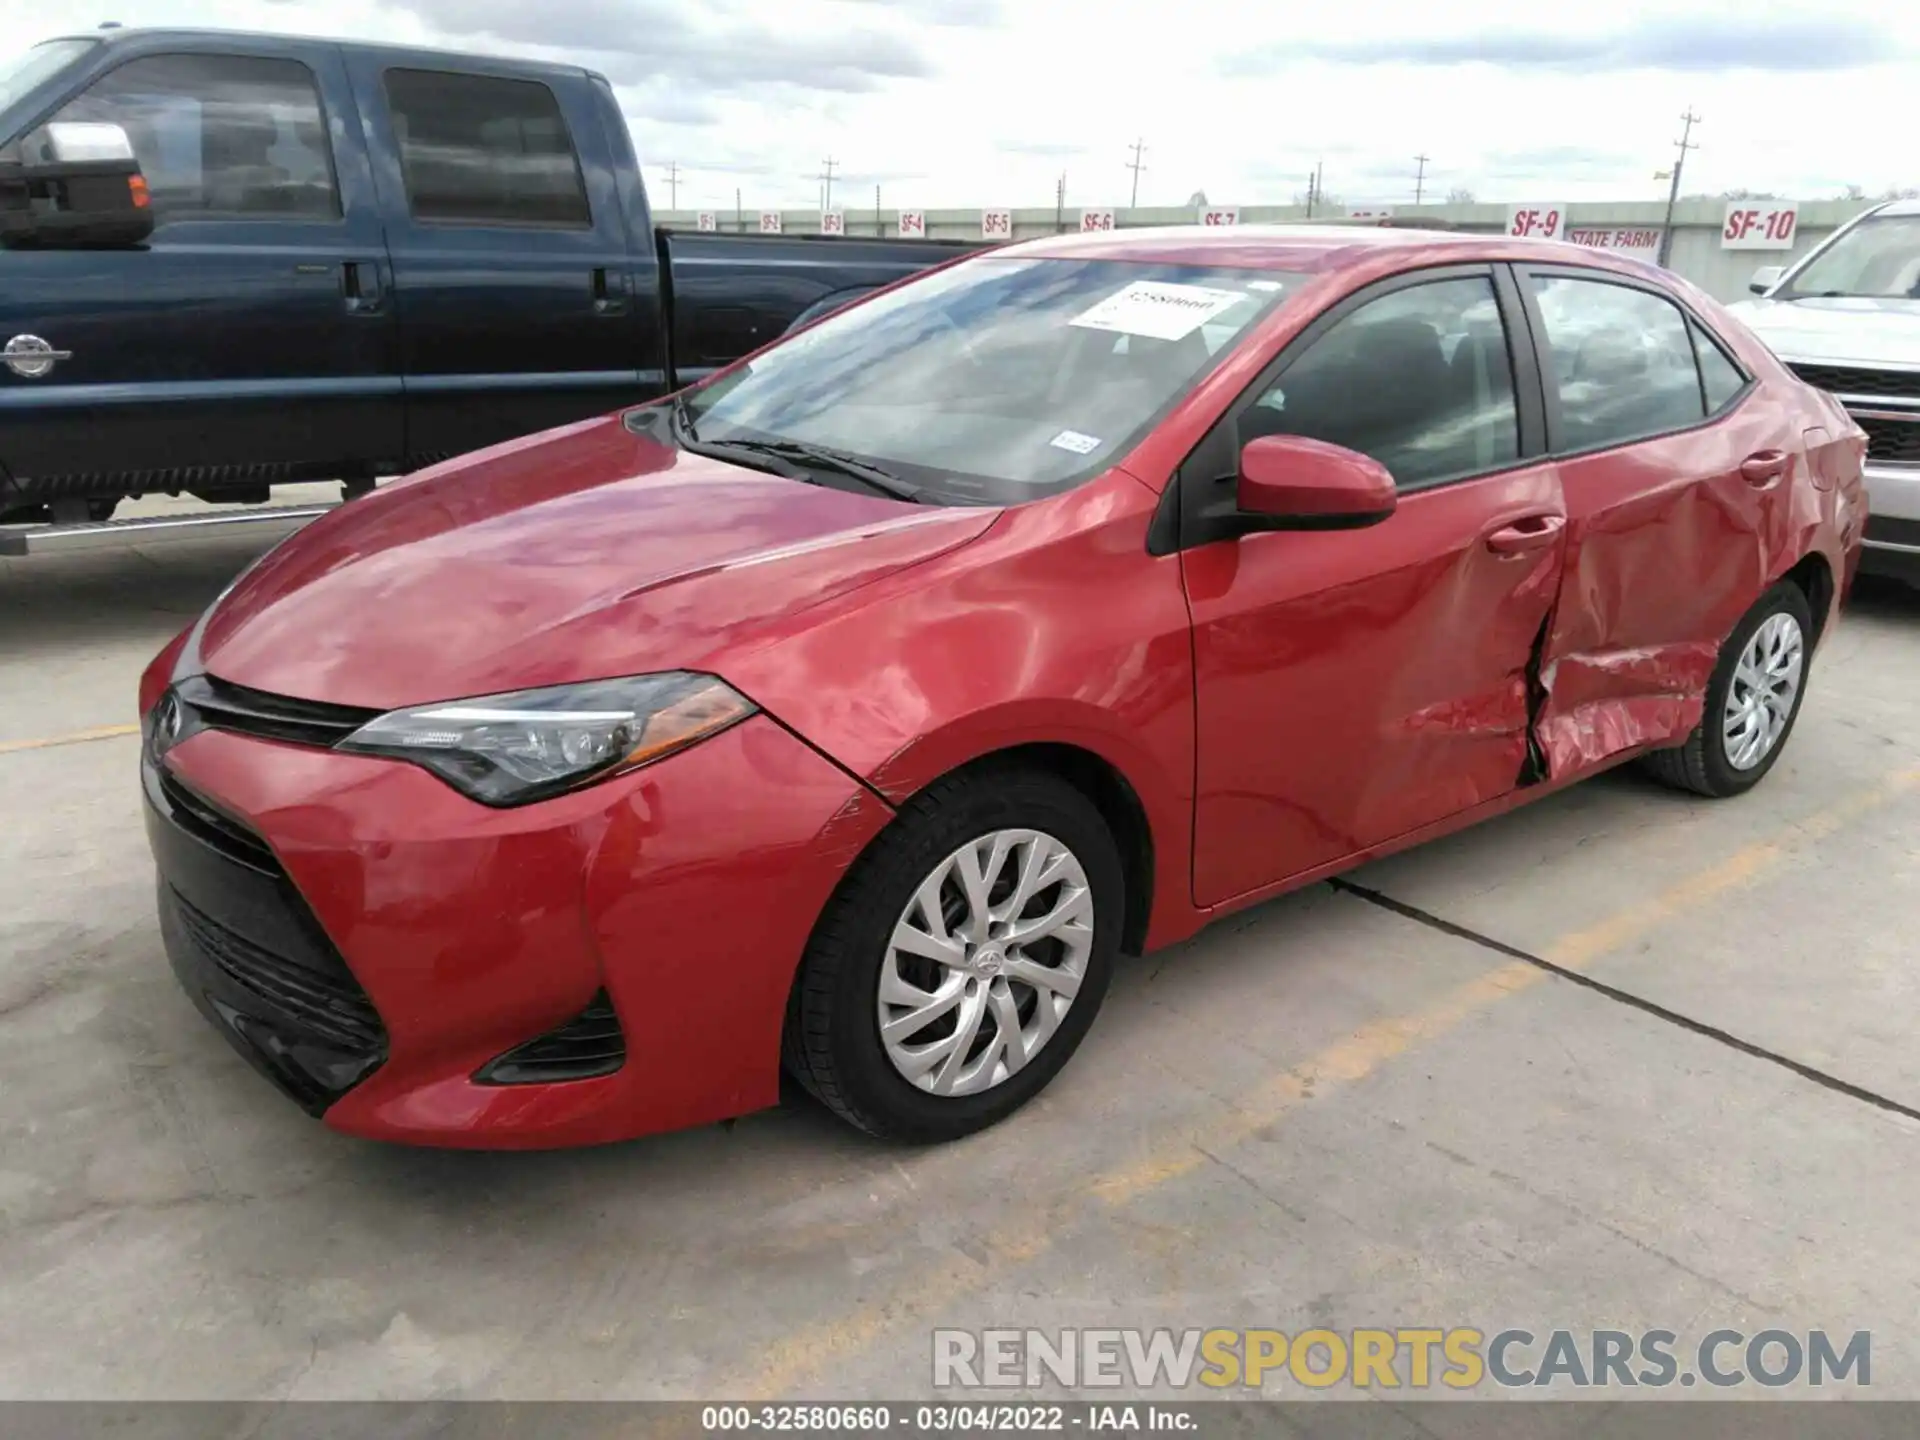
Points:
[[851, 711]]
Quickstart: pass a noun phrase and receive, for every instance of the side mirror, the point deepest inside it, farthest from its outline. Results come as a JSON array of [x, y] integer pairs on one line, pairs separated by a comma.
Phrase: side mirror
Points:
[[1765, 278], [71, 186], [1288, 482]]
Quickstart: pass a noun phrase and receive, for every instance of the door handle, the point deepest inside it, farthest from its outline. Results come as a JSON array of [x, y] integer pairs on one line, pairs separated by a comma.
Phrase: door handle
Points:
[[609, 291], [362, 281], [1535, 532], [1762, 469]]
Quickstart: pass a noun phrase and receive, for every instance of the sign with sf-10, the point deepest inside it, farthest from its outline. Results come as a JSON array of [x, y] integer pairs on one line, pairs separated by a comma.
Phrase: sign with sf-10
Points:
[[1759, 225]]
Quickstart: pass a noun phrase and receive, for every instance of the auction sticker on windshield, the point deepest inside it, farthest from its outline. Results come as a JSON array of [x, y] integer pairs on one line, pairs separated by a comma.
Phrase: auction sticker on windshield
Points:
[[1076, 442], [1157, 310]]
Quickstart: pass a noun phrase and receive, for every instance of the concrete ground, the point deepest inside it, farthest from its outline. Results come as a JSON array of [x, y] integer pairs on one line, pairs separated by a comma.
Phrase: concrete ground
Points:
[[1322, 1113]]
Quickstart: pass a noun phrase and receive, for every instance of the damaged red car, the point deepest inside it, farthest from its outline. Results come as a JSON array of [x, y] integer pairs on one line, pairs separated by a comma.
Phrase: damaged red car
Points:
[[850, 712]]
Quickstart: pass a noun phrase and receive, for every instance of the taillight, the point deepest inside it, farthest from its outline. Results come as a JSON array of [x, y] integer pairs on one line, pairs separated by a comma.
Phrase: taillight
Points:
[[137, 189]]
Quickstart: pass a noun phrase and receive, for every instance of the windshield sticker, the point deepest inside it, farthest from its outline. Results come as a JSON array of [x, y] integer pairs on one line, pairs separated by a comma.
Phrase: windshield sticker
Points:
[[1268, 285], [1076, 442], [1156, 310]]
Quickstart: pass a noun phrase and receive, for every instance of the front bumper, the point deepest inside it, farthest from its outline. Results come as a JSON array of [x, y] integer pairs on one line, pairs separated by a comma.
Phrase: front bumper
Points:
[[1892, 544], [386, 939]]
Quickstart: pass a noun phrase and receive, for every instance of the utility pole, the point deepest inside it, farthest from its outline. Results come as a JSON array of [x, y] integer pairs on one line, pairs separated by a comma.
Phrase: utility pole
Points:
[[739, 211], [673, 185], [1420, 178], [1139, 148], [1060, 205], [1681, 146], [878, 227], [826, 181], [1313, 186]]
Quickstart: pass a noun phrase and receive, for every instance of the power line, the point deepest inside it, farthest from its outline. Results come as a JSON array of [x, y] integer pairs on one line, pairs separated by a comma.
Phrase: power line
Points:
[[1420, 178], [1681, 146], [1139, 148]]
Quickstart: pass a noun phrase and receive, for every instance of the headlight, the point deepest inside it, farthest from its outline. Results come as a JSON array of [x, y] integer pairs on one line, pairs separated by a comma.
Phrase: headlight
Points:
[[530, 744]]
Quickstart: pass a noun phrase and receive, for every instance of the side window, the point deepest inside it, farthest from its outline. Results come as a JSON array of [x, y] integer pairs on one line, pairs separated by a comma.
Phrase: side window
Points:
[[1622, 360], [1419, 379], [480, 150], [221, 134], [1720, 380]]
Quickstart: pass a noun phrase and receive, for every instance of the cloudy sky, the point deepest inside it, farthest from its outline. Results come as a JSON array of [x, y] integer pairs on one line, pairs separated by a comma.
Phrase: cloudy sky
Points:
[[984, 102]]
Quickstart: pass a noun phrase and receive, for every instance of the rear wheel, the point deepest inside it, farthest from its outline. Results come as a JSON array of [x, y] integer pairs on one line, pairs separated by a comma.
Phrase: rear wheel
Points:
[[963, 961], [1753, 700]]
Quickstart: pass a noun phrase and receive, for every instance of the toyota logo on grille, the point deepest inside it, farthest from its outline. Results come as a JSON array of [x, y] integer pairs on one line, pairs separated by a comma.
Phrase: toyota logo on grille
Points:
[[166, 723]]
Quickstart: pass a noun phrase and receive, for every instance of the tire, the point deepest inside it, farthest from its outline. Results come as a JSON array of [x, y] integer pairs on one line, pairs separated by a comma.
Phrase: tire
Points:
[[1703, 764], [833, 1043]]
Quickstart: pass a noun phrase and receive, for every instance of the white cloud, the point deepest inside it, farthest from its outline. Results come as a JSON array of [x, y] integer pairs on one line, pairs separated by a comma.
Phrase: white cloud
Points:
[[973, 102]]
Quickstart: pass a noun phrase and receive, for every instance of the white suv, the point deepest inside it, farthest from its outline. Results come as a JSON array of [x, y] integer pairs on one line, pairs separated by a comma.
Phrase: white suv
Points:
[[1846, 319]]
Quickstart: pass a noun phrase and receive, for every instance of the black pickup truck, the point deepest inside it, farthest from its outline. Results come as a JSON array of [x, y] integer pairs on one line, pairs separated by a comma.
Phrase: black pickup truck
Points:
[[342, 261]]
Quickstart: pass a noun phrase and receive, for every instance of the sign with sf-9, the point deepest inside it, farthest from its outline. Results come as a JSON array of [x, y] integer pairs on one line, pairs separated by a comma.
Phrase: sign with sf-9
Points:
[[1537, 222], [1759, 225]]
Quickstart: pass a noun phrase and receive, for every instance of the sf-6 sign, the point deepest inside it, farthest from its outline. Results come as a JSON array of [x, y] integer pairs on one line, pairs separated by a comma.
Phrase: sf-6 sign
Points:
[[1759, 225]]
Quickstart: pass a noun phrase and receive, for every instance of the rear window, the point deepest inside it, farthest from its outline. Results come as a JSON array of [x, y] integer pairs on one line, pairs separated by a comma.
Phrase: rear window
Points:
[[482, 150]]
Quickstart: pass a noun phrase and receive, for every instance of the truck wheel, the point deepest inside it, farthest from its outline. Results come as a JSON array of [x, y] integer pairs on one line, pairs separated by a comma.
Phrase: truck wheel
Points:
[[963, 959], [1753, 700]]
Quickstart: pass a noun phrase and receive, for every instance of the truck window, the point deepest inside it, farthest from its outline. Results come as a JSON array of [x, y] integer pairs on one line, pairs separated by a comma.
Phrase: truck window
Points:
[[221, 135], [480, 150]]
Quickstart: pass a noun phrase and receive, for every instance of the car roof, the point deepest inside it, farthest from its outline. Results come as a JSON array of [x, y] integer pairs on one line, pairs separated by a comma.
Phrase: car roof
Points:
[[1324, 247], [203, 35]]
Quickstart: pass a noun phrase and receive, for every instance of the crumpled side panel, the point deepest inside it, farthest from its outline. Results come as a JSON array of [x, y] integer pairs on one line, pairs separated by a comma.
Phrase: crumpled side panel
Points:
[[1604, 702]]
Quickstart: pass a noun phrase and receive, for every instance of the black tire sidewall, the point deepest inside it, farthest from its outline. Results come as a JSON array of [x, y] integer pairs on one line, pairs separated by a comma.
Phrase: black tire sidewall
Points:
[[973, 806], [1720, 773]]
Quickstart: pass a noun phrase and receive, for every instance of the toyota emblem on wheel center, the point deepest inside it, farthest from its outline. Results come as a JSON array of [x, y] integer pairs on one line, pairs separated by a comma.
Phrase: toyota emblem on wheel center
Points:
[[30, 357]]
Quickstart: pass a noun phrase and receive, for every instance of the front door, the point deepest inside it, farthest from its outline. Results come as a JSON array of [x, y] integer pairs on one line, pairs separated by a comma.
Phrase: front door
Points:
[[230, 351], [1355, 685]]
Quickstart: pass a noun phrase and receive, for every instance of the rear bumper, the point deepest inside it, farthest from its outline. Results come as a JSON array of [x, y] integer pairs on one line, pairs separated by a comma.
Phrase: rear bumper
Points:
[[410, 937]]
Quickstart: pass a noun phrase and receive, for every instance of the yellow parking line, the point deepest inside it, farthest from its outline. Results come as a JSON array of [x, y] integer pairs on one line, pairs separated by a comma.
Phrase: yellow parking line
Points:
[[802, 1355], [78, 737]]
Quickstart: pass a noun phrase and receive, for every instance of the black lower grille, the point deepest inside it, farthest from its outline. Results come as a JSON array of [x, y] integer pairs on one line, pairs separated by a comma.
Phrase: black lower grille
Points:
[[1894, 441], [590, 1044], [330, 1006], [209, 824], [250, 953]]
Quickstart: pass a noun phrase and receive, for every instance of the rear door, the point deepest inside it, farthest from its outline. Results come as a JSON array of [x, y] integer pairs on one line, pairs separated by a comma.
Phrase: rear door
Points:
[[511, 256], [1353, 686], [1677, 472], [232, 350]]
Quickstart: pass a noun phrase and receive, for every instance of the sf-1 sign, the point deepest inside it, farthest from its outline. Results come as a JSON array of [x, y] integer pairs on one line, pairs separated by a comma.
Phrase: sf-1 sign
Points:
[[833, 222], [769, 222], [1537, 222], [1759, 226]]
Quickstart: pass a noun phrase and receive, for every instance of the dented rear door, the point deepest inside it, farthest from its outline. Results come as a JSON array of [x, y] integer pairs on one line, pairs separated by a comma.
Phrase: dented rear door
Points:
[[1676, 517]]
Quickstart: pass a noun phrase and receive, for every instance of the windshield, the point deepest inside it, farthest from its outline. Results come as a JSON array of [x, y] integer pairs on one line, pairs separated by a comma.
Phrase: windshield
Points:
[[20, 73], [1879, 258], [998, 380]]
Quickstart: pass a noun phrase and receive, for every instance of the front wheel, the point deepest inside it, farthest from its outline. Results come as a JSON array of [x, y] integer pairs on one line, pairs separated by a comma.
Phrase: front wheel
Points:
[[1753, 700], [964, 959]]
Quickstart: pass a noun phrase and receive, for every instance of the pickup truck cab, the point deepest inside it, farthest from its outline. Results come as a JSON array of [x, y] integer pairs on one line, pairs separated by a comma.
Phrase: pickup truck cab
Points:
[[1846, 319], [362, 259]]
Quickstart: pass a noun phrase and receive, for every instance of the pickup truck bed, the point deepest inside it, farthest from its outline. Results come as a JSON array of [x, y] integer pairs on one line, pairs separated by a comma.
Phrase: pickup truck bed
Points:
[[364, 259]]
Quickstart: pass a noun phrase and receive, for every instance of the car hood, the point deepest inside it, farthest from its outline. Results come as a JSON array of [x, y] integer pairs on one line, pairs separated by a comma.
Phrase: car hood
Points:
[[1840, 330], [578, 554]]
